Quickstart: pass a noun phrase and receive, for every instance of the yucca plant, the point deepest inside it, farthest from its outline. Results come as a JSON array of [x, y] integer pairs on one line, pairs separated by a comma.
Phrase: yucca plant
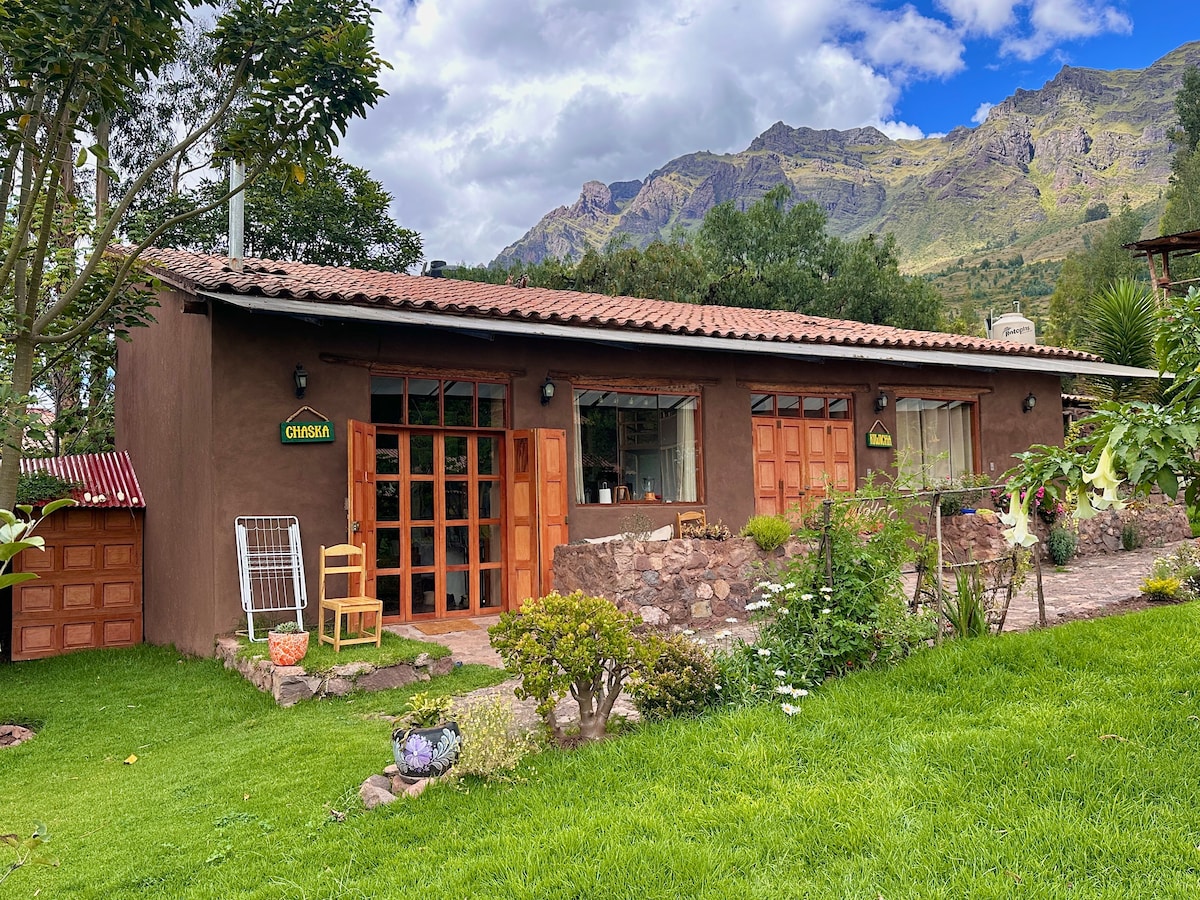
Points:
[[1122, 329]]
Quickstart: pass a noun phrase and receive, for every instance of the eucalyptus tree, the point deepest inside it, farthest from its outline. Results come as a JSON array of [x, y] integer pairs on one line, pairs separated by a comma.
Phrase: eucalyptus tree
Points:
[[287, 75]]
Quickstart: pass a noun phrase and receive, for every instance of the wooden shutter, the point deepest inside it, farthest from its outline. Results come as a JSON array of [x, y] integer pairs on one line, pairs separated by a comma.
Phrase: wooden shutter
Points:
[[360, 509], [537, 514]]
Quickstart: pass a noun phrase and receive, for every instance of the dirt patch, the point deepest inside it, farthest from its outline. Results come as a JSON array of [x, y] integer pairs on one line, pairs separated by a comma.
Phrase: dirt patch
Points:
[[1119, 608]]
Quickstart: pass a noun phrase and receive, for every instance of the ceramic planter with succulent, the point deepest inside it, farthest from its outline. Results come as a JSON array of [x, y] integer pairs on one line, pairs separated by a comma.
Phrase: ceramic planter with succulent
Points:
[[287, 643], [425, 743]]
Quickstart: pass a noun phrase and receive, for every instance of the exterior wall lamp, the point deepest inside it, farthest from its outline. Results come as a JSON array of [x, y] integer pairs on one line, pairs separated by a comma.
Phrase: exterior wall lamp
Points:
[[1029, 403], [301, 378], [881, 402], [547, 390]]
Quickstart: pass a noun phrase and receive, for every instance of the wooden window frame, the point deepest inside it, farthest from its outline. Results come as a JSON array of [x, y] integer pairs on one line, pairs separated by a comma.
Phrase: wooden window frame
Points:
[[968, 397]]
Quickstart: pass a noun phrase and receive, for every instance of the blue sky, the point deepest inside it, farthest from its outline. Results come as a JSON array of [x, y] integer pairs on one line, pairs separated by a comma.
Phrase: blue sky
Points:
[[499, 110]]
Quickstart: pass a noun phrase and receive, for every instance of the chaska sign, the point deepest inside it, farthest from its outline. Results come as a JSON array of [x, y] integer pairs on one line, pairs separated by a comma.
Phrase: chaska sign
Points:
[[305, 432]]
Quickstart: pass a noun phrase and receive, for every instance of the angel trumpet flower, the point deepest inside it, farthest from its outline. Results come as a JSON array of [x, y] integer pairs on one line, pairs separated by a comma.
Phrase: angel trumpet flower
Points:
[[1017, 520], [1104, 478]]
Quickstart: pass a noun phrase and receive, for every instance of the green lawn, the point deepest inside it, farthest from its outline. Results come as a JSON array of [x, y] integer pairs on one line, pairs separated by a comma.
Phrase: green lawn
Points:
[[1054, 764]]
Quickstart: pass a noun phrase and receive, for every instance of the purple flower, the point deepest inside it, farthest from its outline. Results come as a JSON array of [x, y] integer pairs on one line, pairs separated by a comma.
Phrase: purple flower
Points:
[[417, 752]]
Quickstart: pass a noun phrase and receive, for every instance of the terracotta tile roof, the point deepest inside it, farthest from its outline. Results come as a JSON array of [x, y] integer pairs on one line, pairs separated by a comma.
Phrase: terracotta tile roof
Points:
[[300, 281], [108, 479]]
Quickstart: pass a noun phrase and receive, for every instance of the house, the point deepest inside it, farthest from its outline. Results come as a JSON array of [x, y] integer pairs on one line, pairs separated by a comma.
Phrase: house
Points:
[[459, 431]]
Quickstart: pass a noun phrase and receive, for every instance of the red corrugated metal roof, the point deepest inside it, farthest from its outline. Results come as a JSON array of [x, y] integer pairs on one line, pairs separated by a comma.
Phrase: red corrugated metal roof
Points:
[[108, 479]]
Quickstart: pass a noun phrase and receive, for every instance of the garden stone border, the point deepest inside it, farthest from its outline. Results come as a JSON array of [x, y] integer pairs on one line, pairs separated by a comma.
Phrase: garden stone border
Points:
[[291, 684]]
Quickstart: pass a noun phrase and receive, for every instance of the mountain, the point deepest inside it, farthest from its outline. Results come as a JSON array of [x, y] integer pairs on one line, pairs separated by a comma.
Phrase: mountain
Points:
[[1039, 167]]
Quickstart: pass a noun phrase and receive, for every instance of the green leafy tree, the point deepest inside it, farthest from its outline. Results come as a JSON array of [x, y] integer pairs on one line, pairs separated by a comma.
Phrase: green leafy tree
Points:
[[337, 216], [291, 75]]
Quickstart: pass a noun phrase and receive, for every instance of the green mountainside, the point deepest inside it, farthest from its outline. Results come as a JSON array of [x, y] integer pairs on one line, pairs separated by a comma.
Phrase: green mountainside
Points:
[[1032, 182]]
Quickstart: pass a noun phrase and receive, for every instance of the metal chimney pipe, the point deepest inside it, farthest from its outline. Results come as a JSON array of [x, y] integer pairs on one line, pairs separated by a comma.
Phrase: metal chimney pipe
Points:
[[237, 214]]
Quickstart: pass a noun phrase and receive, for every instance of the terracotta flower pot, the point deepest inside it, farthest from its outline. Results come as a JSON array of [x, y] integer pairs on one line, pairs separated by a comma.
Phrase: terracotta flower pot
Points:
[[287, 649], [426, 752]]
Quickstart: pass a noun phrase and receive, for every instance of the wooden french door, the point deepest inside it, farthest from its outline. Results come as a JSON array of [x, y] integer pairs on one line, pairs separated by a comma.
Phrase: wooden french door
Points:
[[428, 508], [797, 460]]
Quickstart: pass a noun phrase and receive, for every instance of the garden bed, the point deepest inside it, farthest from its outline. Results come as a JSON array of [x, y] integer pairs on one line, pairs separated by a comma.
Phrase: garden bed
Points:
[[398, 662]]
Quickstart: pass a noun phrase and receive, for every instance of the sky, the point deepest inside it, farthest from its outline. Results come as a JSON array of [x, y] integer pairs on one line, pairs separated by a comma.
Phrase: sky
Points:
[[499, 110]]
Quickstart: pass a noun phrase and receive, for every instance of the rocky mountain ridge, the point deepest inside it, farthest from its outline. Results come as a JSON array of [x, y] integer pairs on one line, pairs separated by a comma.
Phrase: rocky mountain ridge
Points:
[[1033, 168]]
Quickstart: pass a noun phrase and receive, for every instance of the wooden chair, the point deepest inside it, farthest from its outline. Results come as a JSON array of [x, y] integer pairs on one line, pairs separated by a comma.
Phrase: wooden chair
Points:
[[356, 607], [693, 517]]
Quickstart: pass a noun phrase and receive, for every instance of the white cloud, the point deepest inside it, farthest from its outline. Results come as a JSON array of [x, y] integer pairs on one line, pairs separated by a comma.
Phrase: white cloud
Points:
[[1054, 21], [498, 112], [981, 114]]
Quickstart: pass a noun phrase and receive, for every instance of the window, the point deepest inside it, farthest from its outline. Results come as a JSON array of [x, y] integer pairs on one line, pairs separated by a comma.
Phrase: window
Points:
[[794, 406], [635, 445], [438, 403], [934, 440]]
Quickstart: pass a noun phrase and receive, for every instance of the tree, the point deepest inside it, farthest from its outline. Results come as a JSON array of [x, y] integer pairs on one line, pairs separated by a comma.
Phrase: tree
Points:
[[1122, 327], [1182, 212], [290, 75], [338, 216]]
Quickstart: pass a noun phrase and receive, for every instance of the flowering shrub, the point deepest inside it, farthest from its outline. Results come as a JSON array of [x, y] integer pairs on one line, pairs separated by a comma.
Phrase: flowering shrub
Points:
[[1162, 588], [493, 743], [1182, 564], [680, 680], [809, 630], [578, 644]]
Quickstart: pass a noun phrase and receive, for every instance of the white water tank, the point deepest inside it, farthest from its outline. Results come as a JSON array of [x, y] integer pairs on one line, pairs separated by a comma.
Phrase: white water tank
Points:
[[1012, 326]]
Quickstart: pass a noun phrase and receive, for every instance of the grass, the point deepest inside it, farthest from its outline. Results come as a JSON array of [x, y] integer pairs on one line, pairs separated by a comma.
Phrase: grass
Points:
[[320, 658], [1059, 763]]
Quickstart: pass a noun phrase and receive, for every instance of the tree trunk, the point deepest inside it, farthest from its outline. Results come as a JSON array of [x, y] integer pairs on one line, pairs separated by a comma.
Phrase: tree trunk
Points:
[[14, 432]]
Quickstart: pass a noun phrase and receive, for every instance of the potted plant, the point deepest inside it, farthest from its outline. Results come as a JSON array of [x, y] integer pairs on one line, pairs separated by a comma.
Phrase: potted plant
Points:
[[425, 742], [287, 643]]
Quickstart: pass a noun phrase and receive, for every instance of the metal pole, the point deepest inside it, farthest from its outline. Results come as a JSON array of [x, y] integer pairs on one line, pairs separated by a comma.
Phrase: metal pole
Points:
[[827, 507], [937, 503], [237, 214]]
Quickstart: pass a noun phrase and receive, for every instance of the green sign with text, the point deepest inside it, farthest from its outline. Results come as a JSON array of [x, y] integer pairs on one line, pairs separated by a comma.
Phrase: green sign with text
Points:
[[305, 432], [879, 439]]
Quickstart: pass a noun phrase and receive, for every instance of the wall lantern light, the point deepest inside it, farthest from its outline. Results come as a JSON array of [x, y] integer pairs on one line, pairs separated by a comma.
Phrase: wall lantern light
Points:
[[881, 402], [547, 391], [301, 378], [1028, 403]]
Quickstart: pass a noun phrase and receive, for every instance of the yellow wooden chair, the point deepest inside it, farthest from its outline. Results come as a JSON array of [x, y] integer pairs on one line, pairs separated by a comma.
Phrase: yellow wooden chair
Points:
[[356, 608], [693, 517]]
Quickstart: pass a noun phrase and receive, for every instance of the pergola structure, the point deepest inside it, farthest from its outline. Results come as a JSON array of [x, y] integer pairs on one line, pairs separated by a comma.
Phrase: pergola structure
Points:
[[1185, 243]]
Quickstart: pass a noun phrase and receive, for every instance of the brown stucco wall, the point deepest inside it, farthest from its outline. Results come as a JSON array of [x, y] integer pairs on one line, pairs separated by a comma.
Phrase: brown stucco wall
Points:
[[226, 401], [164, 419]]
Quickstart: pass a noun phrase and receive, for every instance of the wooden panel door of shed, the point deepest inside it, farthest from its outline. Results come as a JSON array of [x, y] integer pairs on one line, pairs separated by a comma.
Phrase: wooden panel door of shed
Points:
[[537, 482], [88, 593], [796, 461]]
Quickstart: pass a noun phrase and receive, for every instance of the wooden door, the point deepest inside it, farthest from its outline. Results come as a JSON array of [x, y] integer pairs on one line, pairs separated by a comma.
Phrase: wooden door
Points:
[[779, 480], [537, 491], [360, 506]]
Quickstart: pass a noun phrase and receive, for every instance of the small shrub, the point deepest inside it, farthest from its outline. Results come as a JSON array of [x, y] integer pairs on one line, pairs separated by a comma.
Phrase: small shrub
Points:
[[576, 643], [1061, 545], [965, 609], [423, 711], [1182, 564], [36, 488], [1194, 519], [1131, 536], [493, 743], [680, 679], [769, 532], [1162, 589], [714, 531]]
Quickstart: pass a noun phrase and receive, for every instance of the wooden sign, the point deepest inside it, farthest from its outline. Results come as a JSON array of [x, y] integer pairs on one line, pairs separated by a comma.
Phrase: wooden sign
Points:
[[305, 432], [880, 440]]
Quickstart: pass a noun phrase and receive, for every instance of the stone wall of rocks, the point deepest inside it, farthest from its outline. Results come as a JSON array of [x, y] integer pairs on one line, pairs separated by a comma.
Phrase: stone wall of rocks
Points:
[[681, 582], [291, 684]]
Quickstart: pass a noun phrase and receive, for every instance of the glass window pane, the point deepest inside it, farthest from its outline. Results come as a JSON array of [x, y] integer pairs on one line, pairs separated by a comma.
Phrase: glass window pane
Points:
[[490, 596], [387, 454], [762, 404], [492, 402], [387, 501], [387, 589], [489, 499], [420, 498], [839, 409], [420, 454], [459, 402], [423, 597], [456, 499], [387, 548], [458, 545], [456, 455], [489, 543], [423, 401], [387, 401], [789, 406], [814, 407], [457, 587], [422, 546], [489, 456]]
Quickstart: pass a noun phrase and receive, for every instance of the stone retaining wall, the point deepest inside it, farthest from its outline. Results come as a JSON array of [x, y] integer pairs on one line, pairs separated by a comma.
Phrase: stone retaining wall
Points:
[[291, 684], [681, 582]]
